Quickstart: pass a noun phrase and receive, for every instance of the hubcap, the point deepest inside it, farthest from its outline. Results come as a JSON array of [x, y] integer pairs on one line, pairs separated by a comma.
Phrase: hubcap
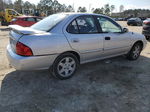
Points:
[[66, 66], [136, 51]]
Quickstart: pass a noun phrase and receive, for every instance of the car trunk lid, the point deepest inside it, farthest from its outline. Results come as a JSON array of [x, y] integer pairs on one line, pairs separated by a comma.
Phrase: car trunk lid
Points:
[[24, 30], [17, 32]]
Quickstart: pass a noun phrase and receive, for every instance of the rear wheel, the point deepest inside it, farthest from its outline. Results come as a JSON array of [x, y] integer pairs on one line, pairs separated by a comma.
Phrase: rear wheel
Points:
[[139, 24], [135, 52], [65, 66], [4, 23]]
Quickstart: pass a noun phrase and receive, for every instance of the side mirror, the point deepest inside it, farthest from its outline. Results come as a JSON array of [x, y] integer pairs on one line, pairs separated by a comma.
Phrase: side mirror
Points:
[[125, 30]]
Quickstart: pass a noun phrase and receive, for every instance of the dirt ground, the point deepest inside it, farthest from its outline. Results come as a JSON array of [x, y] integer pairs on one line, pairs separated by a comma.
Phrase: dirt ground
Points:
[[112, 85]]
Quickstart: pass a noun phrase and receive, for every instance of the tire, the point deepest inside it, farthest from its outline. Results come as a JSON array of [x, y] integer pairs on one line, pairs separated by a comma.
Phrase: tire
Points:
[[65, 66], [140, 24], [147, 37], [135, 51], [3, 23]]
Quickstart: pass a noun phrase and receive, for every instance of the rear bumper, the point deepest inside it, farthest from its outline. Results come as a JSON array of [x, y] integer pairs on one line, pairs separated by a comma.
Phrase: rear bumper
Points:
[[29, 63]]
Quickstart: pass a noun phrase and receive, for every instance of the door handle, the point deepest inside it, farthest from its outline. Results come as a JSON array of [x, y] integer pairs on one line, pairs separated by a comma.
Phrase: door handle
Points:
[[107, 38], [75, 40]]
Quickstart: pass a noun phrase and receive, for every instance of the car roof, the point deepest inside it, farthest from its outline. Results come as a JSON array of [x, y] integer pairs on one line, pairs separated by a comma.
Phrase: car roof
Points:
[[76, 13], [132, 18], [26, 16]]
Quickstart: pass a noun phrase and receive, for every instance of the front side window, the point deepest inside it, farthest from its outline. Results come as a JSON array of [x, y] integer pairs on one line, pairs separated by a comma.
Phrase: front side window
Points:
[[86, 25], [108, 26]]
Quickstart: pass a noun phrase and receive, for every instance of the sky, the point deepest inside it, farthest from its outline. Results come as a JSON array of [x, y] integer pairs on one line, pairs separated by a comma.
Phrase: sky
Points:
[[128, 4]]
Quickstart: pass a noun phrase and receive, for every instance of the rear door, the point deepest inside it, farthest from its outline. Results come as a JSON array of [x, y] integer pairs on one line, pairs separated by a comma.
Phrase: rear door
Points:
[[83, 36], [115, 42]]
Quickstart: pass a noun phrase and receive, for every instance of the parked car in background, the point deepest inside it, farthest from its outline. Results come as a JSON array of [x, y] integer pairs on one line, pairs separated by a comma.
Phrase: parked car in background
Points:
[[126, 19], [119, 19], [62, 41], [25, 21], [143, 18], [146, 28], [134, 22]]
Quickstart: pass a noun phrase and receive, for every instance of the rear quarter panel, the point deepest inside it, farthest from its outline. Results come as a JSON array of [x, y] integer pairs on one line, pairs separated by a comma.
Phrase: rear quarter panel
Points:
[[46, 44]]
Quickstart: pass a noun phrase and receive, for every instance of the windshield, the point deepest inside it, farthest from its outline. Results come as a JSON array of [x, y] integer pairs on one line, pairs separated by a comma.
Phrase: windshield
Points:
[[132, 19], [49, 22]]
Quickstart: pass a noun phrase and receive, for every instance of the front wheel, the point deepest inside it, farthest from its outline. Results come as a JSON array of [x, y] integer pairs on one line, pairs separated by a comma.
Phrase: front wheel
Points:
[[147, 37], [3, 23], [135, 52], [65, 66]]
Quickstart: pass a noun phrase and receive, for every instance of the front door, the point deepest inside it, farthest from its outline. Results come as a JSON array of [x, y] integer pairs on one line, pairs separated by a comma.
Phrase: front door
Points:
[[115, 42]]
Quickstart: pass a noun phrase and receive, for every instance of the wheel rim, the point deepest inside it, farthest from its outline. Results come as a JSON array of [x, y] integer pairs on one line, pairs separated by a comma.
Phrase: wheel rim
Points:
[[136, 51], [66, 66]]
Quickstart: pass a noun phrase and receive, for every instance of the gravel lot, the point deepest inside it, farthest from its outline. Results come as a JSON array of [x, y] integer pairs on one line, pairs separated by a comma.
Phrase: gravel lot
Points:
[[112, 85]]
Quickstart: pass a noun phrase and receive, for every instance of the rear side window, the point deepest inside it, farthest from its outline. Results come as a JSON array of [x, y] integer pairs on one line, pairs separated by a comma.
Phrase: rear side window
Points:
[[86, 25], [83, 25], [73, 28]]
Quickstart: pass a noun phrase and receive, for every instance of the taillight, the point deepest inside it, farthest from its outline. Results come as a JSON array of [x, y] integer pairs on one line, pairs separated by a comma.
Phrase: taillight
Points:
[[146, 22], [23, 50]]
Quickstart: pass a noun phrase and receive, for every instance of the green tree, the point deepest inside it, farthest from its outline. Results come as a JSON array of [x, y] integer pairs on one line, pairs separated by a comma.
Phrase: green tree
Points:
[[18, 5], [63, 8], [6, 4], [112, 8], [99, 11], [82, 9], [2, 5], [51, 7], [69, 9], [107, 9], [55, 6], [45, 6], [27, 5], [28, 8]]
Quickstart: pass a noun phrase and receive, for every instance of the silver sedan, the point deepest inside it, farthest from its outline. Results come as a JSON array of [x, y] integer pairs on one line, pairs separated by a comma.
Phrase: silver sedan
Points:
[[62, 41]]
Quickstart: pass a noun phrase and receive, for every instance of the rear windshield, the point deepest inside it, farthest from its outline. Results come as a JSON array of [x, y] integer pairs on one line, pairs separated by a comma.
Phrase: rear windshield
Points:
[[49, 22]]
